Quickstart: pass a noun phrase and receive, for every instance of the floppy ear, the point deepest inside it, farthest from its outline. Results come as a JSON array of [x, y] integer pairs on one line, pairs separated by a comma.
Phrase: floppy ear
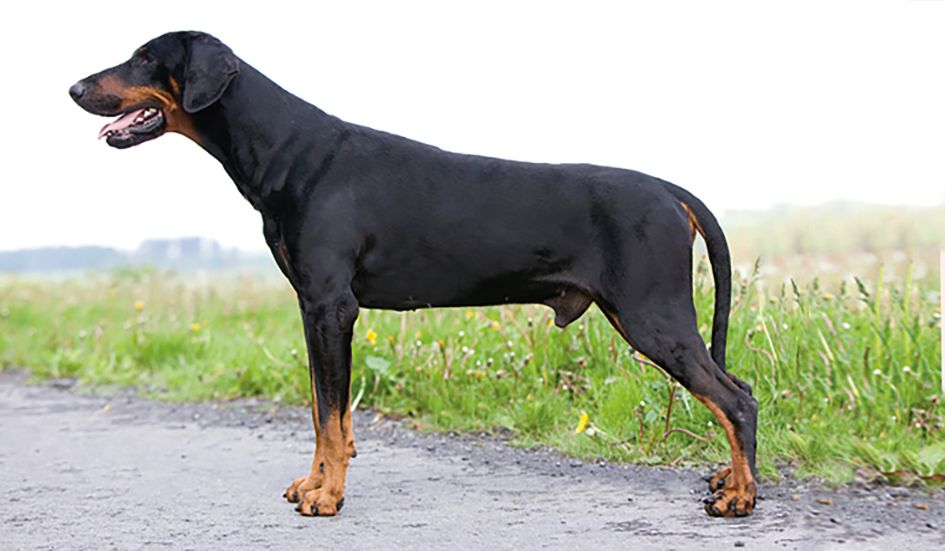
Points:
[[210, 68]]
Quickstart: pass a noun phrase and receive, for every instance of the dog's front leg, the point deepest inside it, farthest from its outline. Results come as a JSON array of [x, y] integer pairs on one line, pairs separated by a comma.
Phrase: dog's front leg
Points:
[[328, 319], [313, 480]]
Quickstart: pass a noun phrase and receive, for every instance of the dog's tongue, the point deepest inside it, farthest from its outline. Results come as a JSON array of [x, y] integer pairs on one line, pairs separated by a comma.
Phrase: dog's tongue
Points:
[[120, 123]]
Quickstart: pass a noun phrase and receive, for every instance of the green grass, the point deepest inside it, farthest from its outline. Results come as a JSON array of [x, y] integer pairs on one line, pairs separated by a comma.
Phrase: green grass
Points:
[[846, 378]]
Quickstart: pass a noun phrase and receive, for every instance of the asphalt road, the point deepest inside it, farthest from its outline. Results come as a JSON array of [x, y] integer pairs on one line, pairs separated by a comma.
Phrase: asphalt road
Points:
[[121, 472]]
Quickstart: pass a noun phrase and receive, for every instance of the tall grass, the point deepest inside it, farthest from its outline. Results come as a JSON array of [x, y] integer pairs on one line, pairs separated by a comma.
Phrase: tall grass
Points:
[[847, 377]]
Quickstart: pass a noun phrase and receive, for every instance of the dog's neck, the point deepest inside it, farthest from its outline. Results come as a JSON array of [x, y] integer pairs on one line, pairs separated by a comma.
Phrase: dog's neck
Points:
[[267, 131]]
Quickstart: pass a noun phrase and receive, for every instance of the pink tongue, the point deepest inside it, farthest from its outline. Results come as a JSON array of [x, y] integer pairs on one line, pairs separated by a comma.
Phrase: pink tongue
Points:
[[120, 123]]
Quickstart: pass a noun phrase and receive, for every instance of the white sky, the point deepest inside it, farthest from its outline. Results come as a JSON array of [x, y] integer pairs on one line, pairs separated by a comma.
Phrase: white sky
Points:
[[747, 104]]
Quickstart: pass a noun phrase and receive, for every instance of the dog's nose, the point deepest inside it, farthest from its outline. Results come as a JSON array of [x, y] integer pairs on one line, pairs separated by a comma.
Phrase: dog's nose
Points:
[[77, 90]]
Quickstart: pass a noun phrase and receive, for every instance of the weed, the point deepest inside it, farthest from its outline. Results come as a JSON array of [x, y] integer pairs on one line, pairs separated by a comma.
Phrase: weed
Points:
[[845, 380]]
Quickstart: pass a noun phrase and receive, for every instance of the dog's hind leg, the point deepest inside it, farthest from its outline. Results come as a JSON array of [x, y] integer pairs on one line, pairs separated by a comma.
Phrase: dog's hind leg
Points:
[[665, 331]]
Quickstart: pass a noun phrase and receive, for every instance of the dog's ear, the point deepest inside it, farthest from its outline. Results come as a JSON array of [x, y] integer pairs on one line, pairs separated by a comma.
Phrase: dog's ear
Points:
[[210, 68]]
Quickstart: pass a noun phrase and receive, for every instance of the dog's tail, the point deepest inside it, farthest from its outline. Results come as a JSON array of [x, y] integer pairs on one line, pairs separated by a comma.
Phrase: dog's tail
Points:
[[708, 227]]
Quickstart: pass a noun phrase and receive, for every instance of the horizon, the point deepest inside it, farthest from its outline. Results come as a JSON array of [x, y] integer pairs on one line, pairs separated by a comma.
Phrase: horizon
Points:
[[724, 220]]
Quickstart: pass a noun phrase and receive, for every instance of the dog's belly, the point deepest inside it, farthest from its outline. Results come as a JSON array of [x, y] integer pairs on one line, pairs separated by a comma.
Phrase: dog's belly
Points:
[[567, 294], [407, 289]]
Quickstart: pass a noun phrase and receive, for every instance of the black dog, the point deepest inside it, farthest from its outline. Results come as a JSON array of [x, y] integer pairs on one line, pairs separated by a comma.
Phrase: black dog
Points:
[[360, 218]]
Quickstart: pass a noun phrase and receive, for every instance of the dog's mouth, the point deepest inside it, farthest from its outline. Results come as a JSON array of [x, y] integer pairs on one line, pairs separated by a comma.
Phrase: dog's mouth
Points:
[[134, 127]]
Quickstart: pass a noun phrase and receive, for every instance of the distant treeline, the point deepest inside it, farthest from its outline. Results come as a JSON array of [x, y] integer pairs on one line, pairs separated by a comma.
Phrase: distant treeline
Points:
[[838, 227], [189, 253], [839, 239], [832, 235]]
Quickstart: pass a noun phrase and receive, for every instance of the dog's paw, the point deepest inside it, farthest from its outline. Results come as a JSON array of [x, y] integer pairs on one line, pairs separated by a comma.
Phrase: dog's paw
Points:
[[729, 502], [302, 486], [720, 479], [318, 503]]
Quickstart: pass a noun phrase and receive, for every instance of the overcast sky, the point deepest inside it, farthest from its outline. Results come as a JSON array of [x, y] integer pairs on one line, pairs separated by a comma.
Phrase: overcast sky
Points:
[[746, 104]]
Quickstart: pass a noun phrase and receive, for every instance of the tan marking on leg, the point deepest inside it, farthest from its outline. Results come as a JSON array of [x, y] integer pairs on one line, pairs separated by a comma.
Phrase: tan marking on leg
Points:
[[284, 253], [349, 431], [737, 496], [326, 501], [313, 480], [612, 318], [720, 479], [307, 489]]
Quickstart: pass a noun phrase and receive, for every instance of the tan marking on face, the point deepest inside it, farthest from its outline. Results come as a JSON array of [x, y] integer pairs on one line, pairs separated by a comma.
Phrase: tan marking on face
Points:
[[111, 85], [175, 87], [177, 119]]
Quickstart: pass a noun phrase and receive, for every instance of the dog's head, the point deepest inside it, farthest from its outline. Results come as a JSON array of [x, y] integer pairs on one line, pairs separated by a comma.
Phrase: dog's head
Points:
[[156, 91]]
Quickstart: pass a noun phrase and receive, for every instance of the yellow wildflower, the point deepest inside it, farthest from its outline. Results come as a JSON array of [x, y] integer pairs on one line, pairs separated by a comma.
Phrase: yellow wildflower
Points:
[[496, 325], [371, 336], [139, 305], [582, 423], [196, 327], [470, 314]]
